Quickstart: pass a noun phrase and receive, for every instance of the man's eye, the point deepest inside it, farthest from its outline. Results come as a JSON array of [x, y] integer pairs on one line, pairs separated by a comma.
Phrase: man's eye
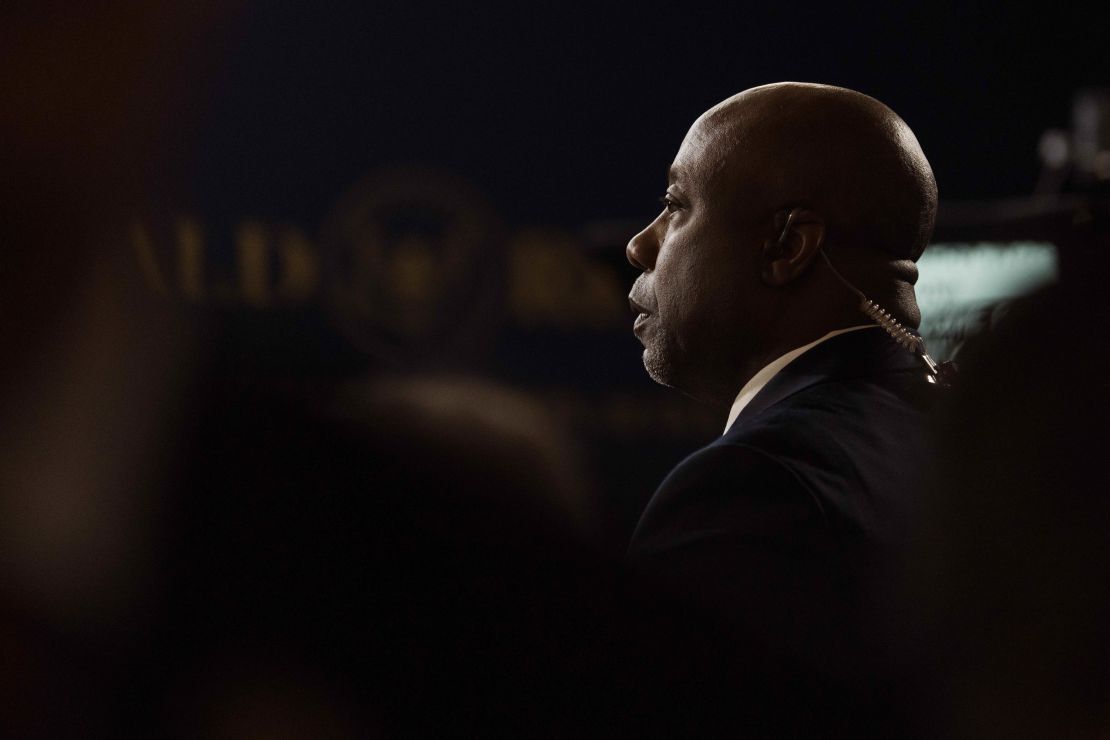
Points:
[[669, 203]]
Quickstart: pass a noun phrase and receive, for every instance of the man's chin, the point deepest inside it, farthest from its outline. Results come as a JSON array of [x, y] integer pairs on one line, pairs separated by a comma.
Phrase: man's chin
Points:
[[659, 368], [663, 370]]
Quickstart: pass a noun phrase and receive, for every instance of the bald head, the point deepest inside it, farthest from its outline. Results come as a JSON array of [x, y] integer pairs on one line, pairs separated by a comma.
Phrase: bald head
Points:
[[836, 151], [766, 188]]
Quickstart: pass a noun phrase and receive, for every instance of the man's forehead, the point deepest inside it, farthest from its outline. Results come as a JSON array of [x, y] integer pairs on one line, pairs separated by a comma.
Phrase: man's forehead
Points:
[[702, 134], [703, 153]]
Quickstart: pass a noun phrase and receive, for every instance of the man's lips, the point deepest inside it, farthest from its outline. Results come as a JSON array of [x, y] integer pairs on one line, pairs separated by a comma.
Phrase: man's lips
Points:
[[643, 313], [638, 307]]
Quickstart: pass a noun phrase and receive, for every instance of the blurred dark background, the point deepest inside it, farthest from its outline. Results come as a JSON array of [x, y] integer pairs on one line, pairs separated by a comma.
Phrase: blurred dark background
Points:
[[342, 188], [299, 192]]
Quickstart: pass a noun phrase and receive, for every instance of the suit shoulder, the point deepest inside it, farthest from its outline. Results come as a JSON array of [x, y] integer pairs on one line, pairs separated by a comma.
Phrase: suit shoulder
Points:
[[727, 490], [727, 463], [860, 448]]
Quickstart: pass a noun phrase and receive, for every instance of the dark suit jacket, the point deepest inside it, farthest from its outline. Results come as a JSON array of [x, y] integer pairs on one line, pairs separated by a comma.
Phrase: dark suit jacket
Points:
[[784, 527]]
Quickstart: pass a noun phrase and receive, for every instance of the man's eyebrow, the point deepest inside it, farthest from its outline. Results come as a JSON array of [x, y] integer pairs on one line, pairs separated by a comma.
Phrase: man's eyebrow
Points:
[[673, 173]]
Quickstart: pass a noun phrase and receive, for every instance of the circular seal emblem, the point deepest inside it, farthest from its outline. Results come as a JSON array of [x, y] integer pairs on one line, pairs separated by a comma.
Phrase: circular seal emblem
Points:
[[414, 267]]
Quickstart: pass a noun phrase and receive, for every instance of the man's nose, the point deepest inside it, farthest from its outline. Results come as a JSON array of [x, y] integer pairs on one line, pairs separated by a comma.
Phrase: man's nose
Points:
[[643, 248]]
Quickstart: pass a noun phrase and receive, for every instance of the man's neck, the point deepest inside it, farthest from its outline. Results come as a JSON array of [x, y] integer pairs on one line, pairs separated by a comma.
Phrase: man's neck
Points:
[[764, 375], [788, 342]]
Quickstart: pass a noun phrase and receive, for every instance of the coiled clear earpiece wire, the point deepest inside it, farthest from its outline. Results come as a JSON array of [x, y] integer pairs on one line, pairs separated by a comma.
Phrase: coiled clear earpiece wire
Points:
[[891, 326], [883, 318]]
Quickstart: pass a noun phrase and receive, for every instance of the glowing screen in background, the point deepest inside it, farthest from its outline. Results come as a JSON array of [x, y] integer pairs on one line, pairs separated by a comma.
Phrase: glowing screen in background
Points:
[[960, 285]]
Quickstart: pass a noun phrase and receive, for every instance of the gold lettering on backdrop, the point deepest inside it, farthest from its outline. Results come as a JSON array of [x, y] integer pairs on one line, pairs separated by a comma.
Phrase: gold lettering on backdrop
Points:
[[148, 263], [407, 256], [190, 258], [272, 264], [408, 253], [252, 255], [298, 265], [552, 283]]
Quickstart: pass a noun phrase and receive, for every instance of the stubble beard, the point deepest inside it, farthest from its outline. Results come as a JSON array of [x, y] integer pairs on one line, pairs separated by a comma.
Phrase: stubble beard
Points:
[[669, 363], [660, 363]]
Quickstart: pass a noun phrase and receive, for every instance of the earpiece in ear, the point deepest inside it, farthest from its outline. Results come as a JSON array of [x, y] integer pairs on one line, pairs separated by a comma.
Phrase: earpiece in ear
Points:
[[774, 250]]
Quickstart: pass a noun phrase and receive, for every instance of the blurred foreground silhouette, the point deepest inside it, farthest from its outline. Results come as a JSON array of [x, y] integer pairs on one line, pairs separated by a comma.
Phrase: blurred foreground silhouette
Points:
[[1013, 555]]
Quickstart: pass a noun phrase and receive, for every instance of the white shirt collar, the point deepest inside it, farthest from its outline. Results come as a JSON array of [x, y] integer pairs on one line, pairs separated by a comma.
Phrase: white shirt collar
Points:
[[763, 377]]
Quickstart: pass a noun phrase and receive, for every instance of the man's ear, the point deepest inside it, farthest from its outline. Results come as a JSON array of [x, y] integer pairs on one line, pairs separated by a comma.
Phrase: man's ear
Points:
[[801, 233]]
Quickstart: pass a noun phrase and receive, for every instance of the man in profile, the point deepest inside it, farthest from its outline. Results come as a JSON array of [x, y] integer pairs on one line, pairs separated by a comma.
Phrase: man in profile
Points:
[[778, 284]]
